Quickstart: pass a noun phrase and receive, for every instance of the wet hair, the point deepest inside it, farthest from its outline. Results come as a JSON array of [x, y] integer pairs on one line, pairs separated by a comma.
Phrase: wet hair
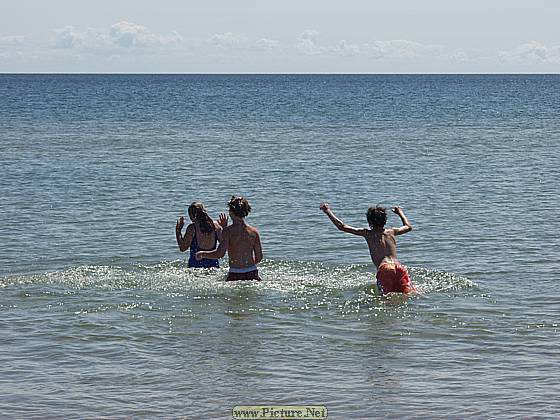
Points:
[[376, 216], [198, 214], [239, 206]]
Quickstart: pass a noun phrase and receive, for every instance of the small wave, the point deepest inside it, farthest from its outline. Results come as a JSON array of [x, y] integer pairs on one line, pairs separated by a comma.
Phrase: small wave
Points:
[[282, 276], [433, 281]]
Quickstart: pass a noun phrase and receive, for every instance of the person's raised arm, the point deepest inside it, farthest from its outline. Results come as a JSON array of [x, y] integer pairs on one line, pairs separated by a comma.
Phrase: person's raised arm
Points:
[[221, 223], [218, 252], [184, 242], [257, 249], [326, 207], [406, 227]]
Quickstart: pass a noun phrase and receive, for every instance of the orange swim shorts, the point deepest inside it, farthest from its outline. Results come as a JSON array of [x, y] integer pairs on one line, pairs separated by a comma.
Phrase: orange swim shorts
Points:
[[393, 277]]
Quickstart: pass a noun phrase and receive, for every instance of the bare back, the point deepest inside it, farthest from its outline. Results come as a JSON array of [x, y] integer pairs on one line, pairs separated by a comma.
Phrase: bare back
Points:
[[382, 245], [243, 245], [381, 242], [207, 240]]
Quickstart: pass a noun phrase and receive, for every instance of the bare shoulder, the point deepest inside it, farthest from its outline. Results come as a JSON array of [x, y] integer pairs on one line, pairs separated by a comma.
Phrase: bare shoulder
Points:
[[389, 234], [252, 230], [227, 230], [367, 232], [370, 236], [189, 232]]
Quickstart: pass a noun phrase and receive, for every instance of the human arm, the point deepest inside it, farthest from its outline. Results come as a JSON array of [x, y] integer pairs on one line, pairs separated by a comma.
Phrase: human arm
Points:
[[221, 224], [184, 242], [218, 252], [326, 208], [406, 227], [257, 249]]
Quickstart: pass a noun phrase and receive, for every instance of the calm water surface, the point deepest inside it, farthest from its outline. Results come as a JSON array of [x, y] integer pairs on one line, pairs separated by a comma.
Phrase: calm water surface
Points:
[[100, 316]]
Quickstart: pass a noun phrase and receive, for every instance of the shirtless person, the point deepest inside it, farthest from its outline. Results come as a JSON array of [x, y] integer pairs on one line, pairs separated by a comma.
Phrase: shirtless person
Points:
[[391, 276], [242, 243]]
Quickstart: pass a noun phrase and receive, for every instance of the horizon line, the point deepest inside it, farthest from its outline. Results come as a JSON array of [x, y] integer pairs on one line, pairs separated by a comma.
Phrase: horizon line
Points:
[[288, 73]]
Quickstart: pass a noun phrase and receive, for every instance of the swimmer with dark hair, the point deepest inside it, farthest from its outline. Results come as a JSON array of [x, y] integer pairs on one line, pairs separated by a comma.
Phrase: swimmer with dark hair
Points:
[[391, 275], [241, 241], [202, 233]]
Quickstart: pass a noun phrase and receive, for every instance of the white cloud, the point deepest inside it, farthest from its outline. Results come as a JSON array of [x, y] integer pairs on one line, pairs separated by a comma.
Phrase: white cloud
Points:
[[460, 56], [226, 40], [67, 37], [12, 40], [229, 41], [346, 49], [531, 53], [308, 43], [121, 35], [267, 44], [125, 44], [126, 35], [389, 50], [400, 49]]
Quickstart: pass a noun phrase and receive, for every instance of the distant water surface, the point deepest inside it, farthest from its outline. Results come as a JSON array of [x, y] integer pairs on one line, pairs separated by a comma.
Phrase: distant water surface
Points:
[[101, 317]]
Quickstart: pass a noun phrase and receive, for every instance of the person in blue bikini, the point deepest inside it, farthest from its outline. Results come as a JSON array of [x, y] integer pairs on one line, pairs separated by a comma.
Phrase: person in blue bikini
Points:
[[203, 234]]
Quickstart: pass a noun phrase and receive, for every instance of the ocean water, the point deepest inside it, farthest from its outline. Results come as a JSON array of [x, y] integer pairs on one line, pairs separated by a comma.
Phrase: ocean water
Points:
[[100, 317]]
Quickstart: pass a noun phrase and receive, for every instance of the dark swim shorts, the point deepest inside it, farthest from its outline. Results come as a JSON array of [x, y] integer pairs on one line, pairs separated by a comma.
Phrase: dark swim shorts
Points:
[[249, 275]]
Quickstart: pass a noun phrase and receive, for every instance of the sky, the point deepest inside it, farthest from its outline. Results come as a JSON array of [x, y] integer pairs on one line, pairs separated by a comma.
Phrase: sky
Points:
[[288, 36]]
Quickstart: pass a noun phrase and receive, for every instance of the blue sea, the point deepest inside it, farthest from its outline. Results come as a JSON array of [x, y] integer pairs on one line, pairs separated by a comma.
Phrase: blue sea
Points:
[[101, 318]]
